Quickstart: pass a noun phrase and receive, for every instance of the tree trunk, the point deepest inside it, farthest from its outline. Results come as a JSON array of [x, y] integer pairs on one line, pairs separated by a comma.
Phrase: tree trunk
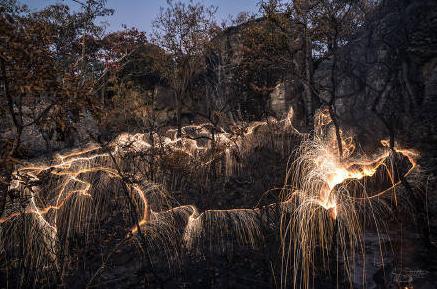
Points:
[[6, 171], [17, 121], [333, 50], [308, 80], [178, 114]]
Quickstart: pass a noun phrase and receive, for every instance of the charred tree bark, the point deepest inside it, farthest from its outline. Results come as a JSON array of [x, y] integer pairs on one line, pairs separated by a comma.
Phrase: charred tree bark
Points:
[[16, 119], [178, 114], [6, 171], [308, 94]]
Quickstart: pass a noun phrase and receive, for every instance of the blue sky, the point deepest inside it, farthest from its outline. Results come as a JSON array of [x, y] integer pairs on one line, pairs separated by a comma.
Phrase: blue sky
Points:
[[140, 13]]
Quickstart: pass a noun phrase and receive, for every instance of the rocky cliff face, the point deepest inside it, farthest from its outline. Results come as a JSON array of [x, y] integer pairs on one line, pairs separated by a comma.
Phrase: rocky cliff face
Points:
[[244, 59], [390, 67], [388, 71]]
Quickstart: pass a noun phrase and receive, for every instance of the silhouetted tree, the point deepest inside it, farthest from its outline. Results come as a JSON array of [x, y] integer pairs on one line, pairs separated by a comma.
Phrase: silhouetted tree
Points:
[[183, 31]]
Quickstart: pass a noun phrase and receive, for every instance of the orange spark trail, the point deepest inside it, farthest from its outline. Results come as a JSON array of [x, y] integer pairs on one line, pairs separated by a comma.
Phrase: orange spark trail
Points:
[[318, 175]]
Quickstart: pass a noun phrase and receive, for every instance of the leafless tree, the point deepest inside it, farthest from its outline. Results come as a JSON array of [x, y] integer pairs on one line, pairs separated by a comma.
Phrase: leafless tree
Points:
[[183, 31]]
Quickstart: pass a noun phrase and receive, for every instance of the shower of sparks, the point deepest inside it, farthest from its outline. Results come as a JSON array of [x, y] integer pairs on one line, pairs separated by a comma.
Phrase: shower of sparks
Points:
[[323, 192], [329, 193]]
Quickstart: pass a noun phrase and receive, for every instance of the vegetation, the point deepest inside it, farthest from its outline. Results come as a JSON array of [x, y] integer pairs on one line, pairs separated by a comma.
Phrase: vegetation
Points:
[[66, 82]]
